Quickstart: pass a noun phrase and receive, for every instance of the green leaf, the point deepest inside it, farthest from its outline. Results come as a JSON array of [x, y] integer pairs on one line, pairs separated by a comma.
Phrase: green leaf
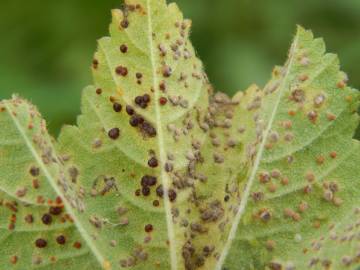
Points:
[[161, 173], [299, 208], [33, 185], [134, 138]]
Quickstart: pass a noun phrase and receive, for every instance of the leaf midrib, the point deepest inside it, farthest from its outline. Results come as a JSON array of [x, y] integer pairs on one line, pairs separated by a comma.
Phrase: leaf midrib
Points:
[[248, 186], [160, 139]]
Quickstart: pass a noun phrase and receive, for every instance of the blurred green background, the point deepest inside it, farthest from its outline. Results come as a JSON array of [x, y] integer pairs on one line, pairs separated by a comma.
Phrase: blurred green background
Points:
[[47, 46]]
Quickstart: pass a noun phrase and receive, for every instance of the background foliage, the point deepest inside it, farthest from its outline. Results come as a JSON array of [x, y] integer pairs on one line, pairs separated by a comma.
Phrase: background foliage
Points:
[[46, 46]]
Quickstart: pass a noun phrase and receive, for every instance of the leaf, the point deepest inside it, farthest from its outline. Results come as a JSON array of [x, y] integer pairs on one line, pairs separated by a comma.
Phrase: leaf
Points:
[[32, 209], [134, 138], [161, 173], [299, 207]]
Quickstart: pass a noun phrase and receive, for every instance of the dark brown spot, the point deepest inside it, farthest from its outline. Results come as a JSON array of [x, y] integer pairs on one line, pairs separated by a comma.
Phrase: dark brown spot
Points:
[[139, 100], [123, 48], [99, 91], [162, 86], [129, 110], [77, 245], [40, 243], [146, 98], [156, 203], [145, 191], [172, 195], [124, 23], [148, 181], [136, 120], [139, 75], [95, 64], [55, 210], [149, 228], [153, 162], [160, 191], [114, 133], [142, 101], [61, 240], [117, 107], [122, 71], [46, 219], [163, 100], [148, 129], [34, 171], [166, 71], [29, 219]]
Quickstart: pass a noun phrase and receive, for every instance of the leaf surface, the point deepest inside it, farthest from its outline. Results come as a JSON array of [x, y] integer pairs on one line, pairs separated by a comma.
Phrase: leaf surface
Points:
[[161, 173], [134, 138], [299, 207], [34, 215]]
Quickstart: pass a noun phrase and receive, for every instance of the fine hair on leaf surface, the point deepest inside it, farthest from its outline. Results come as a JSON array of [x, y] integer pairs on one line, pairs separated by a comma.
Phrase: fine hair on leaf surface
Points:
[[163, 172]]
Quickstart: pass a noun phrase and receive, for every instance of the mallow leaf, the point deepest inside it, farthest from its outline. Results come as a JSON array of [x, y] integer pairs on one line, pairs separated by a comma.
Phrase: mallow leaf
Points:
[[161, 173], [39, 228], [299, 208]]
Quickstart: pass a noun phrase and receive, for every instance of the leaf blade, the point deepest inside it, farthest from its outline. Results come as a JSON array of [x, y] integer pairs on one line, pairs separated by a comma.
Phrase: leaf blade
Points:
[[314, 94], [21, 119]]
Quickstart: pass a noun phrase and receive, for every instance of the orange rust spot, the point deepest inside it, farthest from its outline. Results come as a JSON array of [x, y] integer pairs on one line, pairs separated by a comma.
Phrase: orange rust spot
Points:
[[303, 77], [310, 177], [13, 259], [287, 124], [35, 184], [307, 189], [270, 245], [331, 116], [320, 160], [296, 217], [333, 154], [303, 206], [77, 245], [40, 200], [11, 226], [272, 187], [58, 201], [341, 85], [69, 218], [13, 218], [292, 113], [268, 146], [285, 181]]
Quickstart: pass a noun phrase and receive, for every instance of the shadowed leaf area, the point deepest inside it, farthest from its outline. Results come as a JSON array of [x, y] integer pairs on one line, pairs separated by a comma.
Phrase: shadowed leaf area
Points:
[[161, 172]]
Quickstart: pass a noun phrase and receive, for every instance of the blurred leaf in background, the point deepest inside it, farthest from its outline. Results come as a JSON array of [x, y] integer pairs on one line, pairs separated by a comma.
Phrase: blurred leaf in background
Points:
[[47, 46]]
